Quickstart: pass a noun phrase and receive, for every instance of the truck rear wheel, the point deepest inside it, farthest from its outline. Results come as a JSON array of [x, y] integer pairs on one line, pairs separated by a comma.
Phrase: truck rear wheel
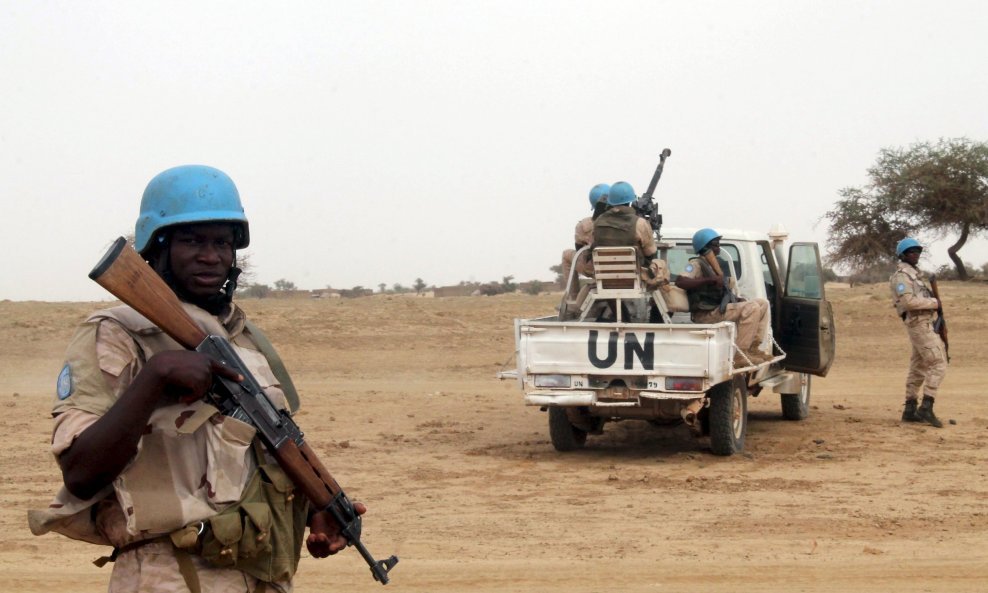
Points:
[[796, 406], [564, 436], [728, 416]]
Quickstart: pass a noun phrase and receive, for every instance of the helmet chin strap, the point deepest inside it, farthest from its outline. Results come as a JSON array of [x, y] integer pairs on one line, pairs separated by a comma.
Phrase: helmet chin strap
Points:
[[231, 282], [216, 304]]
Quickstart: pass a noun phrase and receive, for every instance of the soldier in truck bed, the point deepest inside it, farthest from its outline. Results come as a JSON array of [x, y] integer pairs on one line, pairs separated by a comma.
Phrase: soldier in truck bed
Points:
[[621, 226], [915, 304], [583, 236], [705, 290]]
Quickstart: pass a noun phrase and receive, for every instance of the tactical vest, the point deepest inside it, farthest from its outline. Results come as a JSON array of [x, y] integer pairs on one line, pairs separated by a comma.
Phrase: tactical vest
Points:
[[707, 297], [913, 287], [616, 228]]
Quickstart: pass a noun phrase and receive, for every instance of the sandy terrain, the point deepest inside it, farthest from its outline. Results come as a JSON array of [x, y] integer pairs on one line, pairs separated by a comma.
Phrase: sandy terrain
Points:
[[462, 483]]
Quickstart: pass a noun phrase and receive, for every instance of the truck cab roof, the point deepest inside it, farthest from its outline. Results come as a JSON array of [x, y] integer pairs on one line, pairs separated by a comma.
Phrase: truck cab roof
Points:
[[686, 234]]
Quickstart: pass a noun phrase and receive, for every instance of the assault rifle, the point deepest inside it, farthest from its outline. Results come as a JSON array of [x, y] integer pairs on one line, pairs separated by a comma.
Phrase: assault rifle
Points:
[[645, 206], [940, 325], [129, 278]]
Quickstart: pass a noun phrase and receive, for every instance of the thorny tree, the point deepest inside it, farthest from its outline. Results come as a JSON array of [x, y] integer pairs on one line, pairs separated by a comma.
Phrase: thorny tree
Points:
[[926, 189]]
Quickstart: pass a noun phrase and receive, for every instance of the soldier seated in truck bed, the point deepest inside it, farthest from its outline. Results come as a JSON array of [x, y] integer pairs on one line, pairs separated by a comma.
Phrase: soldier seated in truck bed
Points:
[[620, 226], [583, 236], [708, 300]]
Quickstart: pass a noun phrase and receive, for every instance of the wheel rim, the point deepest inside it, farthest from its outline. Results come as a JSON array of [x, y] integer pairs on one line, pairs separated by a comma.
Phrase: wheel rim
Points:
[[737, 412]]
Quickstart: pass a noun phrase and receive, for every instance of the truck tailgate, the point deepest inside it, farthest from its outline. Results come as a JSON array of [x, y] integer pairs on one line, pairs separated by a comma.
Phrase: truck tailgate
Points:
[[575, 348]]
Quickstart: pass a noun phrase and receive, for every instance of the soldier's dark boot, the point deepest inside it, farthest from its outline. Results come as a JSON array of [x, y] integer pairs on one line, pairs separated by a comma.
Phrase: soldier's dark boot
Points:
[[925, 413], [909, 412]]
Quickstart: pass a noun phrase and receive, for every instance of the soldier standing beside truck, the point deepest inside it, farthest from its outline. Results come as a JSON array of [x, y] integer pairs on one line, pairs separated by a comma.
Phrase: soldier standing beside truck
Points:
[[917, 307], [711, 299]]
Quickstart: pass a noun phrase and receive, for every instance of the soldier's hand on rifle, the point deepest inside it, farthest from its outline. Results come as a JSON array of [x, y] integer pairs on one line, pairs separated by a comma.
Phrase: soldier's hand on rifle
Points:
[[325, 538], [187, 374]]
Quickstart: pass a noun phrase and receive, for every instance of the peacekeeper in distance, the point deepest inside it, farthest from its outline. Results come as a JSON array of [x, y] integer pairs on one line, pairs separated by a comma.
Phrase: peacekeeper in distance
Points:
[[915, 304], [187, 497]]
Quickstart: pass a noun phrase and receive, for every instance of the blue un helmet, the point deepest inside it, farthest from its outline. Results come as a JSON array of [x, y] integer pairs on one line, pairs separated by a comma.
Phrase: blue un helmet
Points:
[[702, 238], [907, 243], [597, 192], [621, 193], [189, 194]]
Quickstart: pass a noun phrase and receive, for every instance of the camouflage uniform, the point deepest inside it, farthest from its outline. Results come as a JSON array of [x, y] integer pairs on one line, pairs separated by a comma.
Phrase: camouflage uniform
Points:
[[191, 463], [750, 316], [582, 235], [915, 304]]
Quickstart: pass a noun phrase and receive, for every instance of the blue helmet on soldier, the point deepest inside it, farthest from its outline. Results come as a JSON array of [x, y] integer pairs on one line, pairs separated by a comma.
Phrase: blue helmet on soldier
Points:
[[702, 238], [598, 192], [189, 194], [621, 193], [905, 244]]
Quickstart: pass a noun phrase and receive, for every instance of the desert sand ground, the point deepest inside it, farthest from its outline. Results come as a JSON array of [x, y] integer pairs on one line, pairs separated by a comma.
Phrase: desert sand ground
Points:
[[401, 401]]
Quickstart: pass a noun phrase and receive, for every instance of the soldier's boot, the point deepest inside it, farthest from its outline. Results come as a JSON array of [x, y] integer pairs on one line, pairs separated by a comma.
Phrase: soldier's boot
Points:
[[909, 412], [925, 413]]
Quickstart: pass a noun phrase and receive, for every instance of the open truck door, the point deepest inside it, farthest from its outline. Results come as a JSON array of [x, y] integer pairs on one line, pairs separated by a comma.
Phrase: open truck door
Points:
[[806, 320]]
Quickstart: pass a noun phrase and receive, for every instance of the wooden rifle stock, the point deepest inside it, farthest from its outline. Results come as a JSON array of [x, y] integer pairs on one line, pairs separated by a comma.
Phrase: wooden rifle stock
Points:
[[940, 325], [128, 277], [712, 260], [728, 296]]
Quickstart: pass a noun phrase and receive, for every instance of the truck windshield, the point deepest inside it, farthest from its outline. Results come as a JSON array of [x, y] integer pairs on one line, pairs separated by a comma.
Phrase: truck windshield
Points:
[[680, 254]]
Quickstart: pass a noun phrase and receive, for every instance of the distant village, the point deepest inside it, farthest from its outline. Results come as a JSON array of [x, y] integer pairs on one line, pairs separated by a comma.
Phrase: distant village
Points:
[[286, 289]]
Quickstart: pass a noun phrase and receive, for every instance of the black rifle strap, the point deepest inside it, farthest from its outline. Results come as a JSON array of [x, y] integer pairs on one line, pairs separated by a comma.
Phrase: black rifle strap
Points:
[[276, 364]]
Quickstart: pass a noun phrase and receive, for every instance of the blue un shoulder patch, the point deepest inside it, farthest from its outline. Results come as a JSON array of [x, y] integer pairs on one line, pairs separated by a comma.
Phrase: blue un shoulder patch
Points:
[[63, 386], [901, 288], [689, 268]]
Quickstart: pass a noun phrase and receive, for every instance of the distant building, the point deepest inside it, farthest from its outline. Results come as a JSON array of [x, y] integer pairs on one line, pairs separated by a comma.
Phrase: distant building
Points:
[[455, 291]]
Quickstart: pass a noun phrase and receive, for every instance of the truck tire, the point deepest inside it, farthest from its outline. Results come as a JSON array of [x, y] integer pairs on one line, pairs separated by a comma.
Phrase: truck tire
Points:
[[564, 436], [728, 416], [796, 406]]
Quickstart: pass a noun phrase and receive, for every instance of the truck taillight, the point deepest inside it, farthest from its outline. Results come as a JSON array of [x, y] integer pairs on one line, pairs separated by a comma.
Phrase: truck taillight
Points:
[[684, 384], [552, 381]]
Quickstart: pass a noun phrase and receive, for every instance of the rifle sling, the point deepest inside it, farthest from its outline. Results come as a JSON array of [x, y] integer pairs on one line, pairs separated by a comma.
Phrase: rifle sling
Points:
[[277, 366]]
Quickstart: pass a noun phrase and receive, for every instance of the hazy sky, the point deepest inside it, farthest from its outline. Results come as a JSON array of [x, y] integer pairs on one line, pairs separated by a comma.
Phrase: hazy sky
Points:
[[385, 141]]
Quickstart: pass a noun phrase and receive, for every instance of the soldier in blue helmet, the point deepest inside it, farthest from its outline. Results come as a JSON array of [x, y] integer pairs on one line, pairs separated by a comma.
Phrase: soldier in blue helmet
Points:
[[915, 304], [621, 226], [706, 291], [149, 468], [583, 236]]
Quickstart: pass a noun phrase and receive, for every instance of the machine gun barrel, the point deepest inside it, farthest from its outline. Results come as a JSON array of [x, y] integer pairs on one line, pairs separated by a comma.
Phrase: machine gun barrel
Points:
[[645, 206], [658, 174]]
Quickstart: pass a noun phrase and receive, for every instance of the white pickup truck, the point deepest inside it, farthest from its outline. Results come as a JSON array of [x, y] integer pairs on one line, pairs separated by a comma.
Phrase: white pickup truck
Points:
[[619, 352]]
